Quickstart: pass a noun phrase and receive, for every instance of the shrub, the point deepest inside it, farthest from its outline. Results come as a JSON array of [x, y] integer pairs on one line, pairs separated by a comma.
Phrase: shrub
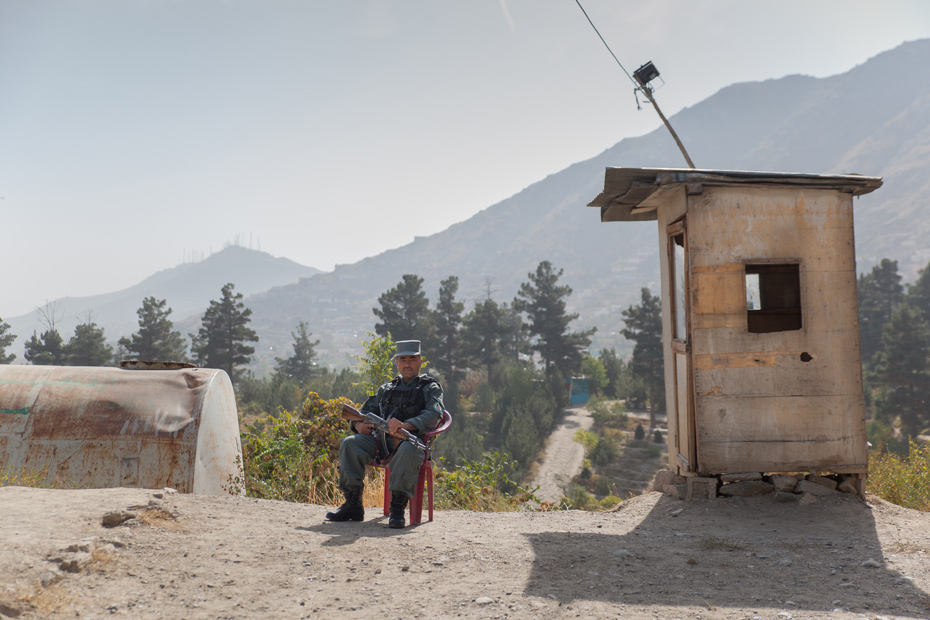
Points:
[[902, 480], [294, 457], [481, 485], [640, 433], [657, 437]]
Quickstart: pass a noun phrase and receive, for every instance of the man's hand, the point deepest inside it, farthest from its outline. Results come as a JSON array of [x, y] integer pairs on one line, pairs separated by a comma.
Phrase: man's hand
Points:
[[363, 428], [395, 425]]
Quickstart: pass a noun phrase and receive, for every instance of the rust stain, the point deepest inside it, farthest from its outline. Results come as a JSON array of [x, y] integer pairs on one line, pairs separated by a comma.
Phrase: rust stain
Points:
[[106, 427]]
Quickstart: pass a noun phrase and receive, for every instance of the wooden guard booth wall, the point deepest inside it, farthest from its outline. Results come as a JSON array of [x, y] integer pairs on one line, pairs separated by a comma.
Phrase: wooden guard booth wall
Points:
[[759, 316]]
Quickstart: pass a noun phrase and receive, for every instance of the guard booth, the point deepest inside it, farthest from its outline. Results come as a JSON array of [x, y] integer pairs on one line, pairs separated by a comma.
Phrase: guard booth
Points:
[[169, 425], [759, 316]]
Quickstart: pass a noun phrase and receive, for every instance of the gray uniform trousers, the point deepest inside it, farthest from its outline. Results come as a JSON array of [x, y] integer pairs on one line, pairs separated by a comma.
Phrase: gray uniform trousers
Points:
[[358, 451]]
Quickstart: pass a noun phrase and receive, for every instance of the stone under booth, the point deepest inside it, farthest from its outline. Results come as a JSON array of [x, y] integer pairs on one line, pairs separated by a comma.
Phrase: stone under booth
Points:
[[150, 425], [760, 327]]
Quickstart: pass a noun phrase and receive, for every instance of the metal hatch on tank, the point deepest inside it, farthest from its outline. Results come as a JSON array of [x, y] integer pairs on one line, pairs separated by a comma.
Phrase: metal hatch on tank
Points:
[[169, 425]]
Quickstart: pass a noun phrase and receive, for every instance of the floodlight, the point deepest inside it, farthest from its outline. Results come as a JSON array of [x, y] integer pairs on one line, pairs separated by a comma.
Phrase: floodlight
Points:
[[646, 73]]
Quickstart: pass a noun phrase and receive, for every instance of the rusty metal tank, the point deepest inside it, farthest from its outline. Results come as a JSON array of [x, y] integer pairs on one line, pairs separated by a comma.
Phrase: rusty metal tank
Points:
[[114, 427]]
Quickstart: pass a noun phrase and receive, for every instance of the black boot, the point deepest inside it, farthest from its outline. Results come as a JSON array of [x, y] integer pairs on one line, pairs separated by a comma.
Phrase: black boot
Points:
[[398, 505], [352, 509]]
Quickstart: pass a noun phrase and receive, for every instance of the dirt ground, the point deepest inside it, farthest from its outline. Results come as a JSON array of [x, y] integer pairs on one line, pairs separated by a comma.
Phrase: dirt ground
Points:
[[187, 556]]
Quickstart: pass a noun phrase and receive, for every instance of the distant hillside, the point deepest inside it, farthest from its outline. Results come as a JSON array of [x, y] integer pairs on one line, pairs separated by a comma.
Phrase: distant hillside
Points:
[[188, 289], [874, 120]]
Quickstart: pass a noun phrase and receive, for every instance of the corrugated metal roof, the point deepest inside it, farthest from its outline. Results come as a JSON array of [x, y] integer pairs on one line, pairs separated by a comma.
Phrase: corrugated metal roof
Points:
[[628, 190]]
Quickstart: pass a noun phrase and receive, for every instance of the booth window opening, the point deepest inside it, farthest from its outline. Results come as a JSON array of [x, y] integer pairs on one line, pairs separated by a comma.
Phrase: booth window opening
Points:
[[773, 297]]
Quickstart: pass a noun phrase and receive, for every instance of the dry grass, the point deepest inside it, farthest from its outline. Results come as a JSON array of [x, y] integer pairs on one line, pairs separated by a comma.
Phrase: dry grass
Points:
[[712, 543], [327, 493], [157, 516]]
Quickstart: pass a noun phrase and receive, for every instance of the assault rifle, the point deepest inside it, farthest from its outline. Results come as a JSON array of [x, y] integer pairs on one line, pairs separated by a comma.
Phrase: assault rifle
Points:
[[380, 424]]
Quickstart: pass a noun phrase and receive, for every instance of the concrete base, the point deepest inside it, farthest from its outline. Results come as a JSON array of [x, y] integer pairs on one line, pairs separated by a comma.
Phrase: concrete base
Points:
[[702, 488]]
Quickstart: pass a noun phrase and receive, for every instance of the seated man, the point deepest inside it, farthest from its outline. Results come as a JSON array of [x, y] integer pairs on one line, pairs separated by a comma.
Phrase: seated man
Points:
[[411, 401]]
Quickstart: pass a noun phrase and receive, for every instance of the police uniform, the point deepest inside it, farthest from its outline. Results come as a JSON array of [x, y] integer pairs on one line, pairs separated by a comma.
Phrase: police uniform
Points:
[[417, 402]]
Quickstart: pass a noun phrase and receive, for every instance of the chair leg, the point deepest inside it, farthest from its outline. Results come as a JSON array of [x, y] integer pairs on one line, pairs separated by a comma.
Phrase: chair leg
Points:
[[387, 493], [416, 508], [429, 487]]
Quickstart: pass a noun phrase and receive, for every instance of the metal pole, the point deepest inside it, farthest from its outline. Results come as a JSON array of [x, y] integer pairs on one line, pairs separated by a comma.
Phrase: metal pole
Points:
[[648, 91]]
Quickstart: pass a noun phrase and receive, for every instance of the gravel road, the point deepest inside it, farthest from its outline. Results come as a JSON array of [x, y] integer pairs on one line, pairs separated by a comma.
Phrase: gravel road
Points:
[[564, 457]]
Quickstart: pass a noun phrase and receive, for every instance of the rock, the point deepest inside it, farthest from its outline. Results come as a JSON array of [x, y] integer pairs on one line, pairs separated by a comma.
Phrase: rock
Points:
[[484, 600], [678, 491], [785, 562], [50, 577], [871, 563], [158, 494], [807, 499], [10, 611], [170, 491], [75, 563], [702, 488], [664, 477], [623, 553], [692, 561], [781, 496], [753, 475], [827, 482], [747, 488], [112, 519], [846, 487], [784, 482], [806, 486], [675, 513], [85, 546]]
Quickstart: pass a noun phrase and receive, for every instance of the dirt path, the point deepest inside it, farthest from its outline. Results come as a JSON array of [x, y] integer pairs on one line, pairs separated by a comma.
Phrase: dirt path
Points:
[[564, 456], [199, 557]]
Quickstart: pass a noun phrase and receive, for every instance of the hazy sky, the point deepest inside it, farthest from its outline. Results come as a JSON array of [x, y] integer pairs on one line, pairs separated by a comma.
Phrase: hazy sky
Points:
[[134, 133]]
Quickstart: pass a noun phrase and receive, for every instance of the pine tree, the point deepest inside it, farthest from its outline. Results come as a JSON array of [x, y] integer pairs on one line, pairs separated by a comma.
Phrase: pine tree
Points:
[[155, 341], [879, 292], [918, 293], [483, 330], [447, 357], [46, 350], [301, 365], [220, 342], [902, 368], [5, 341], [405, 312], [88, 347], [644, 327], [543, 301]]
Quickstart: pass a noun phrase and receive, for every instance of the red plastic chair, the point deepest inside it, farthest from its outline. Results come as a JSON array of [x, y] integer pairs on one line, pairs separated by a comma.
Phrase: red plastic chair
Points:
[[425, 475]]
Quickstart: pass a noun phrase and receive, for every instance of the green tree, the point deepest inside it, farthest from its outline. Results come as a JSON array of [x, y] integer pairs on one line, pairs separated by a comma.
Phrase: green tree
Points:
[[902, 369], [5, 341], [613, 371], [155, 340], [224, 332], [46, 350], [879, 292], [405, 312], [596, 374], [447, 357], [301, 365], [88, 346], [918, 293], [644, 327], [483, 330], [377, 363], [515, 338], [543, 301]]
